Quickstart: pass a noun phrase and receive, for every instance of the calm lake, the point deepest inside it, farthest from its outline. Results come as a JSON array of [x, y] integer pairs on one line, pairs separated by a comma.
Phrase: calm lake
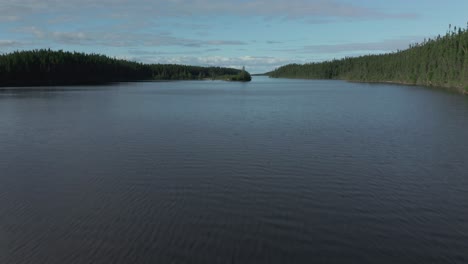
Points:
[[272, 171]]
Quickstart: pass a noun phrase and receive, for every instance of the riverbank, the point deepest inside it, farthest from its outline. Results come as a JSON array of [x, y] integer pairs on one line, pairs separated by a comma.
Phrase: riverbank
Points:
[[455, 89]]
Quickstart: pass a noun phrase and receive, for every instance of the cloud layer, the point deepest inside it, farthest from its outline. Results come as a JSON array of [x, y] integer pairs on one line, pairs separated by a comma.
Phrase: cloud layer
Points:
[[383, 45], [122, 38], [294, 9]]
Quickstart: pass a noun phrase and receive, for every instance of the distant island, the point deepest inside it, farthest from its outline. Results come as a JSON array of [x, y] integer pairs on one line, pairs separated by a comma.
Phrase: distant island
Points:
[[47, 67], [440, 62]]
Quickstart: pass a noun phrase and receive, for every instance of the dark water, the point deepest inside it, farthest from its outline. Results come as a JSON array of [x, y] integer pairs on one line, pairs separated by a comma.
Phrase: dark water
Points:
[[273, 171]]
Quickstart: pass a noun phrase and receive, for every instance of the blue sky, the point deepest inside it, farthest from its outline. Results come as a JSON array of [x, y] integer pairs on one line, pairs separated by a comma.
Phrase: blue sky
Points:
[[258, 34]]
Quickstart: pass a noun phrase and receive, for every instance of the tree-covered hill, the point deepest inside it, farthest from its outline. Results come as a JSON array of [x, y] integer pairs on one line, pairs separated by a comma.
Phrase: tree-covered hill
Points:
[[46, 67], [439, 62]]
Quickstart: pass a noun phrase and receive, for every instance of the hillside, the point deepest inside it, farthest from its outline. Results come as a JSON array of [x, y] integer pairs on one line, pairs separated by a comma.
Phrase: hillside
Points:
[[439, 62], [46, 67]]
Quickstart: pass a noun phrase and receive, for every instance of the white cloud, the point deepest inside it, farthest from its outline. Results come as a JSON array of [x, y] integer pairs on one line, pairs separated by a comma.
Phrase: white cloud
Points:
[[254, 64], [9, 43]]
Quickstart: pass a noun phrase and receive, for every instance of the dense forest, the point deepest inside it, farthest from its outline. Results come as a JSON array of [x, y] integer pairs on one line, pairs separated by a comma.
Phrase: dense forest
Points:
[[46, 67], [439, 62], [183, 72]]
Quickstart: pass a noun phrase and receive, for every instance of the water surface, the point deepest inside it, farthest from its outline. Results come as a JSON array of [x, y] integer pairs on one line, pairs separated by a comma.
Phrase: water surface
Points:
[[272, 171]]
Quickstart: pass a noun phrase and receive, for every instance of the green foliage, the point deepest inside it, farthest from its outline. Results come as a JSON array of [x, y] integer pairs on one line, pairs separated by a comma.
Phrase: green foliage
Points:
[[441, 62], [184, 72], [46, 67], [242, 76]]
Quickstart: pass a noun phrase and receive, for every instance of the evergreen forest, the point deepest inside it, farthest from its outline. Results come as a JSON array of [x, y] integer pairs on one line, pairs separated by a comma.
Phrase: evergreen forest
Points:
[[46, 67], [438, 62]]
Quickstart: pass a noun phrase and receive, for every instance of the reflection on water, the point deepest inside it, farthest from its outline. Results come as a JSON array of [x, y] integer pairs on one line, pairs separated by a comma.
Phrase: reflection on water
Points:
[[273, 171]]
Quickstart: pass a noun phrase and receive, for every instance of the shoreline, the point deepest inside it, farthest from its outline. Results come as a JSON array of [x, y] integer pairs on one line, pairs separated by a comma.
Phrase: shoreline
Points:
[[41, 85], [455, 89]]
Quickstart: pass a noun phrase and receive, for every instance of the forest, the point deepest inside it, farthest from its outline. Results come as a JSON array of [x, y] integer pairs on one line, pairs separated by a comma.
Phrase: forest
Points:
[[47, 67], [184, 72], [437, 62]]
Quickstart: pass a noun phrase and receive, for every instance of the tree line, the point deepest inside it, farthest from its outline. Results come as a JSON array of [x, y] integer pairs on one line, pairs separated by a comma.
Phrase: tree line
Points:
[[47, 67], [186, 72], [440, 62]]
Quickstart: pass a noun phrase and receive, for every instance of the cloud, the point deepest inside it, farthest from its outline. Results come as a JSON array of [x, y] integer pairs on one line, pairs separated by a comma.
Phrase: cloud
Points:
[[11, 11], [152, 53], [212, 50], [293, 9], [122, 39], [71, 37], [386, 45], [290, 9], [225, 42], [8, 18], [9, 43]]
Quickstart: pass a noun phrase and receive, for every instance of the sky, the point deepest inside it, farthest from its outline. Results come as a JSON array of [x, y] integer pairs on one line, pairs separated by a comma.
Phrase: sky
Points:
[[258, 34]]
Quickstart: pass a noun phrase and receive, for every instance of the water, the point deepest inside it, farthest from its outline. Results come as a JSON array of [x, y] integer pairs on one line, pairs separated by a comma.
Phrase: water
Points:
[[272, 171]]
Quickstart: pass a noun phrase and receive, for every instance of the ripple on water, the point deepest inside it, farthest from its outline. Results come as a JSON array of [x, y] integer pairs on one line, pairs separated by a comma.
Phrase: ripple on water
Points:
[[282, 171]]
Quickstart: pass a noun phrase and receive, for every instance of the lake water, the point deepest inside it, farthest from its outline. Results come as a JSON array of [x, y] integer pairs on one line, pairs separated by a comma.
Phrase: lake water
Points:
[[272, 171]]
